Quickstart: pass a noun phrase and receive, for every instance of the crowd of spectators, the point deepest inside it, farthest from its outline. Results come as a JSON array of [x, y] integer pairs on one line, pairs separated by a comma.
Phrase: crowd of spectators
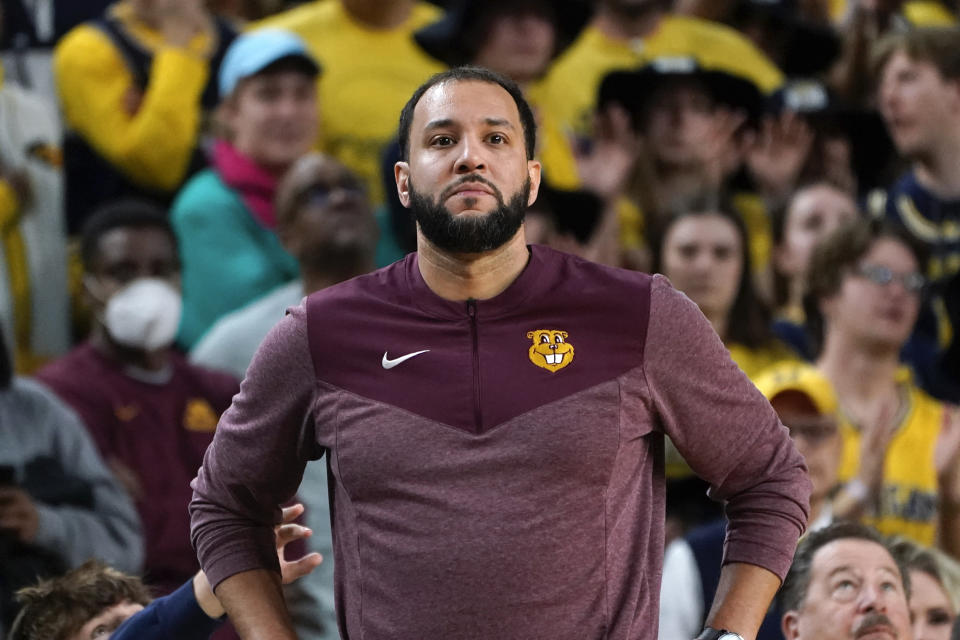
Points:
[[174, 174]]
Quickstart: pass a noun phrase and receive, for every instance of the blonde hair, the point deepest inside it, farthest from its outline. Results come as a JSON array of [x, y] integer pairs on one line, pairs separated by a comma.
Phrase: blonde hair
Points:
[[935, 563]]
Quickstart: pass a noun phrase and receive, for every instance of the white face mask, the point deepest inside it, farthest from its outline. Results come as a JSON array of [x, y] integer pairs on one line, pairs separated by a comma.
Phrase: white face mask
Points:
[[144, 314]]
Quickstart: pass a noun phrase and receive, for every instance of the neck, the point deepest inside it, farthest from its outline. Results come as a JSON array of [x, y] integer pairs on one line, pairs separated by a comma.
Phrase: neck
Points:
[[315, 280], [617, 26], [107, 347], [795, 291], [860, 376], [939, 170], [477, 276], [817, 504], [378, 14], [718, 321]]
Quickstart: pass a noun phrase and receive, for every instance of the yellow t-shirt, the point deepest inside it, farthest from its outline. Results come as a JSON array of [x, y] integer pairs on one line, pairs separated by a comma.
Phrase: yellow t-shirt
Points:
[[920, 13], [554, 148], [573, 82], [754, 361], [908, 503], [368, 75]]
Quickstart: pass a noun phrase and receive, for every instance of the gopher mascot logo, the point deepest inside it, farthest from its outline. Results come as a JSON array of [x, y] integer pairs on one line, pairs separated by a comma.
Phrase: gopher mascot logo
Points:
[[550, 349]]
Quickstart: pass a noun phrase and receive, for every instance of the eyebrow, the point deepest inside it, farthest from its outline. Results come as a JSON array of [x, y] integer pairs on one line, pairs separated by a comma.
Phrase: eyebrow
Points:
[[850, 569], [449, 122]]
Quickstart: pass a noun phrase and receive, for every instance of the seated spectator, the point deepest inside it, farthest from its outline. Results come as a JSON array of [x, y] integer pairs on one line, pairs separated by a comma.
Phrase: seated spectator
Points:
[[864, 24], [150, 412], [934, 589], [813, 212], [371, 66], [518, 39], [848, 144], [901, 446], [626, 34], [96, 601], [135, 86], [806, 405], [696, 125], [702, 248], [918, 80], [845, 584], [34, 310], [59, 504], [224, 218], [325, 222]]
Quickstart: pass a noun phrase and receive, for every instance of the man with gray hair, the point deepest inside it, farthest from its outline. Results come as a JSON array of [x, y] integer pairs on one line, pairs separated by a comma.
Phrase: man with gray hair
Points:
[[844, 584]]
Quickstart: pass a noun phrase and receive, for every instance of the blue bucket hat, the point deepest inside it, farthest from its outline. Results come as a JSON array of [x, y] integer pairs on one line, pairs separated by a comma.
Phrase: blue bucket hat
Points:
[[253, 52]]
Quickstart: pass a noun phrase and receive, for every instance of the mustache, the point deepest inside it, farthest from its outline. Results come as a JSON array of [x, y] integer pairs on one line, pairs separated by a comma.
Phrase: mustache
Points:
[[471, 178], [875, 619]]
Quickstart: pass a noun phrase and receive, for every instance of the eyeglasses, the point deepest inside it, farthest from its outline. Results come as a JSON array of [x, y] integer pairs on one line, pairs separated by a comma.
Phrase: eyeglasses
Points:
[[878, 274]]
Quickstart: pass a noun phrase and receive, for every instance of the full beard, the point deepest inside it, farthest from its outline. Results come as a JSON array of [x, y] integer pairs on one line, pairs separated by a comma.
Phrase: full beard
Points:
[[468, 233]]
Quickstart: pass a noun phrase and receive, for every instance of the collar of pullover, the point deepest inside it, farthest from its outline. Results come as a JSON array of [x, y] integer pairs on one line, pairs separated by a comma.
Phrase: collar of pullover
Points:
[[508, 300]]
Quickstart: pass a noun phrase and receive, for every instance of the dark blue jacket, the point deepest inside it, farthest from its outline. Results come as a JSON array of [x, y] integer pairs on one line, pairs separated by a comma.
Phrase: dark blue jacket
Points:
[[177, 615]]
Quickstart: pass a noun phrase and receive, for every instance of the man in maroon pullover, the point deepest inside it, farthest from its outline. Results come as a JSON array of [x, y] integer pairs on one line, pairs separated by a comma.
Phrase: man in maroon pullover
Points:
[[493, 417]]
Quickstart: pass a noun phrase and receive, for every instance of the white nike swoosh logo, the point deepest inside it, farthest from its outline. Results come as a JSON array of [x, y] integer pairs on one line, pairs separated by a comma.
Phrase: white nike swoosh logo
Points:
[[390, 364]]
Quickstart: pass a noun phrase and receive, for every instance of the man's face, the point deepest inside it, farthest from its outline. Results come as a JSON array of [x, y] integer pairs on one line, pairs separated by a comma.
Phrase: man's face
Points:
[[467, 179], [336, 217], [871, 314], [916, 102], [816, 436], [518, 45], [273, 117], [126, 254], [679, 121], [814, 213], [855, 593], [101, 626]]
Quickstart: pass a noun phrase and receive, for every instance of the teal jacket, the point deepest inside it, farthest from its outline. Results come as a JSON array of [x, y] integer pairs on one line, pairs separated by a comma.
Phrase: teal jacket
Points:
[[229, 258]]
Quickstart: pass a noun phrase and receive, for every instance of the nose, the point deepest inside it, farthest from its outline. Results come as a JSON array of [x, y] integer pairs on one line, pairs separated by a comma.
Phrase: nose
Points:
[[471, 158], [871, 599]]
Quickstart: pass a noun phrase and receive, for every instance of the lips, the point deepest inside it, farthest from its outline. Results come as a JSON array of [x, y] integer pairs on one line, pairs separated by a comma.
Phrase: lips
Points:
[[472, 189], [877, 631]]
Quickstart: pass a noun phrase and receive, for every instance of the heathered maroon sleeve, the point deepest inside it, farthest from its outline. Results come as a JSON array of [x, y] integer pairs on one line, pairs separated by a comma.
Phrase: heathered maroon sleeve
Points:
[[727, 431], [257, 457]]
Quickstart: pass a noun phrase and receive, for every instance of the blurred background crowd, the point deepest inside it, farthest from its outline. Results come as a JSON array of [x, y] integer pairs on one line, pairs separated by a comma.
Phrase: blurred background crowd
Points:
[[176, 173]]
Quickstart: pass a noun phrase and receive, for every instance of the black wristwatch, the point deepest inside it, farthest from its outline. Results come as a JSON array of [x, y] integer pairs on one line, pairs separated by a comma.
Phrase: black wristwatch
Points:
[[718, 634]]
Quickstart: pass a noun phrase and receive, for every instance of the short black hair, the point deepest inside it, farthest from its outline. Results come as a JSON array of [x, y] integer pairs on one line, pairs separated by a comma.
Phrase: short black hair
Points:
[[797, 582], [470, 74], [121, 214]]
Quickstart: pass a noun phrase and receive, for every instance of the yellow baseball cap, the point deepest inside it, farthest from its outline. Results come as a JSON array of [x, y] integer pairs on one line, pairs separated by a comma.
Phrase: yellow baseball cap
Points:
[[801, 377]]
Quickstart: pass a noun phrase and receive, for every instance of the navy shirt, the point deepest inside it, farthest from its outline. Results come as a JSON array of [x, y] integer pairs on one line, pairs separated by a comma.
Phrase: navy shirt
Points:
[[934, 349], [177, 615]]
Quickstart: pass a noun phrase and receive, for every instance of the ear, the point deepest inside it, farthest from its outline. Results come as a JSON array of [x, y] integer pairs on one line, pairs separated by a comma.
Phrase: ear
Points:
[[529, 334], [790, 624], [564, 334], [401, 173], [533, 171]]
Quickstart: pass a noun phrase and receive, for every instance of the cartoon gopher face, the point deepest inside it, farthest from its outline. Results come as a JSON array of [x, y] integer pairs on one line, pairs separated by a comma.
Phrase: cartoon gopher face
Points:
[[550, 349]]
